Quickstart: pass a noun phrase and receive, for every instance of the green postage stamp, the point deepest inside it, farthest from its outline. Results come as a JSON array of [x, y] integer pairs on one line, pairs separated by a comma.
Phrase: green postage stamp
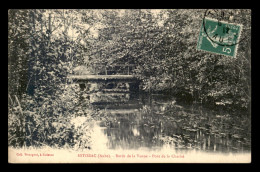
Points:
[[219, 37]]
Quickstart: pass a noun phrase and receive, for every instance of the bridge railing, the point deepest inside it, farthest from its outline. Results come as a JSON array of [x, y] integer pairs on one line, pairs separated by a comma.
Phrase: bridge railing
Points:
[[114, 69]]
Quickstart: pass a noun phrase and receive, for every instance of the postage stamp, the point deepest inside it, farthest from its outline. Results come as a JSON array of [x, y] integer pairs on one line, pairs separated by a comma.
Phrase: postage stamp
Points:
[[219, 37]]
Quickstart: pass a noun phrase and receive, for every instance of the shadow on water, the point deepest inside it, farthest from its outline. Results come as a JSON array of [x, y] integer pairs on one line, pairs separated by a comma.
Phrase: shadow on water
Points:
[[141, 121]]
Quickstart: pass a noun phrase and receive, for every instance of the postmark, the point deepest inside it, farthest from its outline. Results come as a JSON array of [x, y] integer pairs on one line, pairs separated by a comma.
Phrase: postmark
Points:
[[218, 35]]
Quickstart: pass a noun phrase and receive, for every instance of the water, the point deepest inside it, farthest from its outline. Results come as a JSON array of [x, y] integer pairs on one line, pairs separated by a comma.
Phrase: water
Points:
[[154, 122]]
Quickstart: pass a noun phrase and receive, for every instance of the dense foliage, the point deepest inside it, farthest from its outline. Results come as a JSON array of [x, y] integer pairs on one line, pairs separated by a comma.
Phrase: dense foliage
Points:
[[162, 45], [44, 46], [42, 52]]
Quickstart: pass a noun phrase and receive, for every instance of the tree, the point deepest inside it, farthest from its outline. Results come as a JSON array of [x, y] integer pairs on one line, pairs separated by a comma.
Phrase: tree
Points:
[[162, 45]]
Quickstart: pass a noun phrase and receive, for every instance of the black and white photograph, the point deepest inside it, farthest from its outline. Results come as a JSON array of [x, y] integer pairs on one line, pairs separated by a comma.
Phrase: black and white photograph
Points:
[[129, 86]]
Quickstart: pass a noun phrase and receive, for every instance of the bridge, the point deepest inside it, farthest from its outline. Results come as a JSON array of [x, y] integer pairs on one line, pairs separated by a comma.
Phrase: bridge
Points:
[[109, 88], [116, 78], [102, 78]]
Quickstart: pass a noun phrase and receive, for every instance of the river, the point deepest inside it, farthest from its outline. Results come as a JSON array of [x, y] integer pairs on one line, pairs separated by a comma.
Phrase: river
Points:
[[155, 122]]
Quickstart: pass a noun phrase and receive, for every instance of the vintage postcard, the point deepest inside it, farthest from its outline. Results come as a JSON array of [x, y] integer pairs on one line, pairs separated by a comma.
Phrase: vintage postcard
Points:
[[129, 86]]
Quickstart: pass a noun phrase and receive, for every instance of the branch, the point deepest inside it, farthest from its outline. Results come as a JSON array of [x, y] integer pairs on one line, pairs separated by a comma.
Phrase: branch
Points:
[[11, 99], [19, 105]]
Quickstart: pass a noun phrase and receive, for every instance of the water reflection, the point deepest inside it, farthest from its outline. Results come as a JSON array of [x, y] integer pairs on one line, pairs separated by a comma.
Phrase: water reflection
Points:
[[155, 122]]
